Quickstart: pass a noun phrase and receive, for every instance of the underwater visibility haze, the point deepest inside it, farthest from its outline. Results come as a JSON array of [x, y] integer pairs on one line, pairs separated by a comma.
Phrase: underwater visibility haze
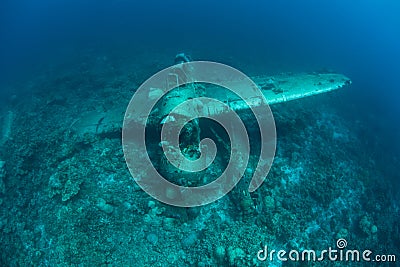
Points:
[[77, 189]]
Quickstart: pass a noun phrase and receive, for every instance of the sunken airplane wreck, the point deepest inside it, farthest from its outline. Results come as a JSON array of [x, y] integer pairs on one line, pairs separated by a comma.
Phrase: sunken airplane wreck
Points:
[[276, 89]]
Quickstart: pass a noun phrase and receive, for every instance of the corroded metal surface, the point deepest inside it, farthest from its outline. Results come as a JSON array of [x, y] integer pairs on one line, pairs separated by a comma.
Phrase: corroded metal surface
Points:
[[276, 89]]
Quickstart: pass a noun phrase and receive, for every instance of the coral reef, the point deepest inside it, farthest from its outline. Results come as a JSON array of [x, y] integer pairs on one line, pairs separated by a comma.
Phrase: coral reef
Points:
[[68, 198]]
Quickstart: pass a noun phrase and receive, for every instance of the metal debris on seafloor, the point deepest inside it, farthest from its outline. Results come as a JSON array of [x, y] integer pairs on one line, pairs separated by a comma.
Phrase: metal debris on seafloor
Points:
[[276, 89]]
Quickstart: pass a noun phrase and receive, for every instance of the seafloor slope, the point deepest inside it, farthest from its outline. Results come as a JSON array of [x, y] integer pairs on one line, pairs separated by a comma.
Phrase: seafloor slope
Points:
[[67, 199]]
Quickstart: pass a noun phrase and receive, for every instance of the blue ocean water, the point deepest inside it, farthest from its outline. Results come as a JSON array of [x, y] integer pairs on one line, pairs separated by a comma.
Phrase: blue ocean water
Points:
[[360, 38], [58, 56]]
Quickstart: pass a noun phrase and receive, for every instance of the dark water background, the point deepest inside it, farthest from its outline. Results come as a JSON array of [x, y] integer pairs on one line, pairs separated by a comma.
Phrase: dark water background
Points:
[[358, 38]]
